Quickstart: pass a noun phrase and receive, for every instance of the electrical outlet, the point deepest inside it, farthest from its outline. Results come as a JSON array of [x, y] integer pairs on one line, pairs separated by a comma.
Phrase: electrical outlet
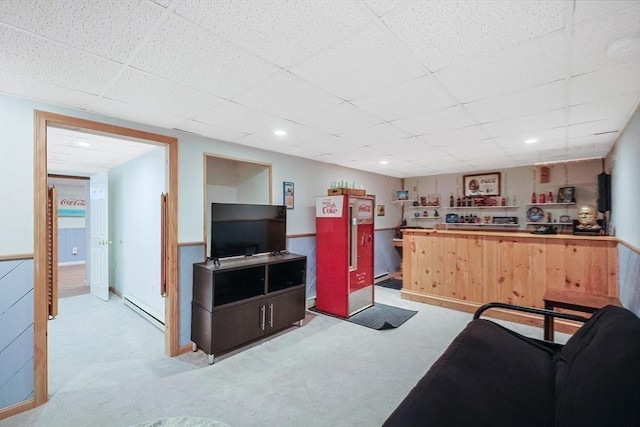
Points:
[[74, 251]]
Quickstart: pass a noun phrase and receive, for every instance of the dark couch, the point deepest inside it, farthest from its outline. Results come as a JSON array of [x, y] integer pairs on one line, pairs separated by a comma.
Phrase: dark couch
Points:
[[491, 376]]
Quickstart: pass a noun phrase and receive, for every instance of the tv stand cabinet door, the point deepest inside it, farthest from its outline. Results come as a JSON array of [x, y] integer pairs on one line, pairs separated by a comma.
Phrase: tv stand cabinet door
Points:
[[286, 308], [234, 326]]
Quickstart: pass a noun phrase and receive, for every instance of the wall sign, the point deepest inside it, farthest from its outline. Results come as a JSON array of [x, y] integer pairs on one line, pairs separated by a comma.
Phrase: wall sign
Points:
[[482, 185]]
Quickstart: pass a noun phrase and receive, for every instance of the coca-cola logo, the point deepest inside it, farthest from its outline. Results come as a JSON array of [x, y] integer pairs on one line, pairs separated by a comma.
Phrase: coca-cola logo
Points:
[[72, 202], [328, 207], [364, 208]]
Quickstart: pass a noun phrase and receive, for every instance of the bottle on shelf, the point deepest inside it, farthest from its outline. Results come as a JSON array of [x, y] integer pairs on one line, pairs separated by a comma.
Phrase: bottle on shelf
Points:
[[451, 200], [541, 198], [533, 198], [459, 202], [550, 197], [503, 202]]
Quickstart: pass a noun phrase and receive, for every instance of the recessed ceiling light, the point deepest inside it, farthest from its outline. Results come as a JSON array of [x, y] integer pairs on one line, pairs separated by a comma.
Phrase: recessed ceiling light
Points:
[[83, 144], [280, 132], [384, 162], [531, 141]]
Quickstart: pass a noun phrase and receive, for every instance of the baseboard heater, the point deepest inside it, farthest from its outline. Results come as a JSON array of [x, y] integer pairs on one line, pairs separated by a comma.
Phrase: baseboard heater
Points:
[[138, 307], [384, 277]]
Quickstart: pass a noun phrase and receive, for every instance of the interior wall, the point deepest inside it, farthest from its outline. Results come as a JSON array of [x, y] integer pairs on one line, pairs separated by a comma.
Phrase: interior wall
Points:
[[518, 182], [623, 163], [134, 229], [71, 229]]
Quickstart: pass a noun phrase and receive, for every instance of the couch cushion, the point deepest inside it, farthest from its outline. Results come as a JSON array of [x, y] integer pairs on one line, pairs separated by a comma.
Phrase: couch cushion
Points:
[[487, 376], [598, 372]]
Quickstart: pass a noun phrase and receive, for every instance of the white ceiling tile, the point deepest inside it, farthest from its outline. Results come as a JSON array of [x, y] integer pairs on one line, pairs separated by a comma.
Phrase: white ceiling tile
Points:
[[444, 33], [46, 61], [469, 136], [367, 62], [617, 108], [435, 121], [145, 90], [417, 96], [111, 29], [592, 128], [540, 61], [380, 133], [340, 119], [472, 149], [596, 10], [296, 134], [210, 131], [230, 115], [287, 96], [592, 39], [611, 82], [523, 102], [135, 113], [281, 32], [195, 57], [527, 126], [382, 7], [163, 3], [43, 91]]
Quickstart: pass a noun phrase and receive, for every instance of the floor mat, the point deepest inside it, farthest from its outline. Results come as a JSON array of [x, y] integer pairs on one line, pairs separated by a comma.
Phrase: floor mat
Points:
[[392, 284], [382, 316]]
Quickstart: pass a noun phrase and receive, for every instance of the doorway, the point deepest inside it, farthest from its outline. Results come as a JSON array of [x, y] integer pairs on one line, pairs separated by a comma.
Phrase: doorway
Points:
[[43, 120]]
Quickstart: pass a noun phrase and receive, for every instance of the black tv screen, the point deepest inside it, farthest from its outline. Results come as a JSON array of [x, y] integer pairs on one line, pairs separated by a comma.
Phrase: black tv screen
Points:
[[243, 229]]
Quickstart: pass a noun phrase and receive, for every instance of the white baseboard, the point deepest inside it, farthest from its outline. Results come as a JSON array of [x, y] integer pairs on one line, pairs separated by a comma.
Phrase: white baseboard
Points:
[[141, 309], [71, 263], [311, 302], [382, 278]]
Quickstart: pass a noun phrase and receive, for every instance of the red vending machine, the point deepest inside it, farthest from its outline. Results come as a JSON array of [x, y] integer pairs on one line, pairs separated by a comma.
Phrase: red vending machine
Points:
[[344, 254]]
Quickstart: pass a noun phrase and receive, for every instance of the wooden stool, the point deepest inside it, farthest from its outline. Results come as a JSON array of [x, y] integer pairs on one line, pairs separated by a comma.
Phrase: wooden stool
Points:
[[578, 301]]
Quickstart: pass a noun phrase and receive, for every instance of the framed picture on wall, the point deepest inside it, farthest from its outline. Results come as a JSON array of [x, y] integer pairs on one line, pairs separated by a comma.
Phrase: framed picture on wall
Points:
[[487, 184], [566, 195], [288, 194]]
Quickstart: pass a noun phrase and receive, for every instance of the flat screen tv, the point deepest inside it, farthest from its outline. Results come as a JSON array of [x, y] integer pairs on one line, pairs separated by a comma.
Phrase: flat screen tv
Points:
[[239, 229]]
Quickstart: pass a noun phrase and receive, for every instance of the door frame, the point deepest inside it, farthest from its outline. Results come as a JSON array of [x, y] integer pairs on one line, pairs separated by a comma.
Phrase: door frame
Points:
[[42, 119]]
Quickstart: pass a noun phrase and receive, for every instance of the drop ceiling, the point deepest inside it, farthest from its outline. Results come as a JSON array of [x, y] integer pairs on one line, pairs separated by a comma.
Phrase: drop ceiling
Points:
[[430, 87]]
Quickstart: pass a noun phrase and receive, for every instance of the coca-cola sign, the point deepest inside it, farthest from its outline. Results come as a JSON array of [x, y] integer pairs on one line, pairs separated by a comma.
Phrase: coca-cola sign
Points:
[[72, 202], [329, 206]]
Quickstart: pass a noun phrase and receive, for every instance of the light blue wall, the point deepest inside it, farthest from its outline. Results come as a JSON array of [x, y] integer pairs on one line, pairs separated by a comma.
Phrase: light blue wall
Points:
[[16, 331], [629, 278], [69, 238]]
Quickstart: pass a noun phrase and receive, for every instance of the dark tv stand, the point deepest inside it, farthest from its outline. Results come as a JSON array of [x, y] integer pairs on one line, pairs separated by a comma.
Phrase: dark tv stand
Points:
[[238, 301]]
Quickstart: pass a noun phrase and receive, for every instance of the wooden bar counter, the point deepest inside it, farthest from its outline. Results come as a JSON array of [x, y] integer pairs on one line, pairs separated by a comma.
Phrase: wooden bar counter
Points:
[[465, 269]]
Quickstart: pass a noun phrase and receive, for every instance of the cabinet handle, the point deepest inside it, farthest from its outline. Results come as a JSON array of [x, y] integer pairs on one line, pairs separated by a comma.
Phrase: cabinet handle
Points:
[[271, 315], [262, 315]]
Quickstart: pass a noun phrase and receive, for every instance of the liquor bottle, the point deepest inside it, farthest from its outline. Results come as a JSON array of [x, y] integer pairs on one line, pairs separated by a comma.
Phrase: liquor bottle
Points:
[[533, 197], [459, 202], [541, 198], [503, 202], [451, 200], [550, 197]]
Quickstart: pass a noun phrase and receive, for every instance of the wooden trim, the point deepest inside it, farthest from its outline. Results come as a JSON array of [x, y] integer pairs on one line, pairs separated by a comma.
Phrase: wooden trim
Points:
[[629, 246], [12, 410], [40, 309], [508, 315], [190, 244], [42, 119], [15, 257], [54, 175], [185, 349], [295, 236]]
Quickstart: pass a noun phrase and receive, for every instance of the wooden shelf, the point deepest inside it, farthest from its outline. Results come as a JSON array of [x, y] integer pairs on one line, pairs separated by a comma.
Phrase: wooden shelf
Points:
[[460, 224], [551, 204], [424, 217], [483, 207], [424, 207], [548, 223]]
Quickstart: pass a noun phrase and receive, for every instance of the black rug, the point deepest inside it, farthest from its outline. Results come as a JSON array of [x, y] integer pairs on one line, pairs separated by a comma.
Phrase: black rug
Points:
[[381, 316], [393, 284]]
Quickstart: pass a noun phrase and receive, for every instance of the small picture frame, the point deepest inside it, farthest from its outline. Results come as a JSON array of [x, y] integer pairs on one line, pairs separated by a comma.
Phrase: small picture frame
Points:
[[380, 210], [566, 195], [402, 194], [288, 194]]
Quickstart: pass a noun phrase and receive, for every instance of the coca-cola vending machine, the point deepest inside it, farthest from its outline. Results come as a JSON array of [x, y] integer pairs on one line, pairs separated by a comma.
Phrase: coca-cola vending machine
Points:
[[344, 254]]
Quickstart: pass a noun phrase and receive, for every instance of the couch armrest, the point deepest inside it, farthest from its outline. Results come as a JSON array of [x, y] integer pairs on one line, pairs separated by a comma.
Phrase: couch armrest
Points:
[[532, 310]]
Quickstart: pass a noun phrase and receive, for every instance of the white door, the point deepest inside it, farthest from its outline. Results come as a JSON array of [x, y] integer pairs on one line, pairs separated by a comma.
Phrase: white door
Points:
[[99, 232]]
